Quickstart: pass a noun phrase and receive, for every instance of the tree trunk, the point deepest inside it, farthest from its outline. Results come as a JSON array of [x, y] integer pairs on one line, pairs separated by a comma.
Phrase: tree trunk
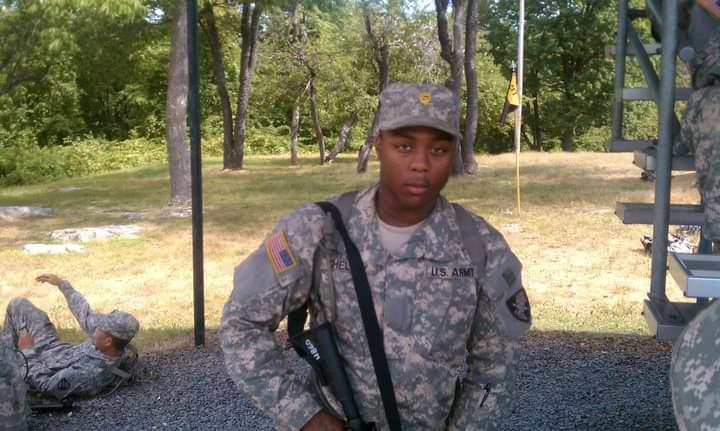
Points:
[[294, 131], [316, 117], [248, 59], [568, 140], [536, 130], [343, 138], [381, 55], [471, 115], [453, 55], [218, 63], [176, 109]]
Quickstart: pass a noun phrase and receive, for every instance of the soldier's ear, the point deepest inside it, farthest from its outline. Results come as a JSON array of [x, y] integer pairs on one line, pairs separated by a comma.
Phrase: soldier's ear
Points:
[[377, 142], [107, 340]]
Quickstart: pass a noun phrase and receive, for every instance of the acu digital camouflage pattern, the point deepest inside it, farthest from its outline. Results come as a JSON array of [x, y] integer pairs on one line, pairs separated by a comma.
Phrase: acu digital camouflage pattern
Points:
[[700, 131], [695, 373], [450, 350], [12, 388], [58, 368], [404, 105]]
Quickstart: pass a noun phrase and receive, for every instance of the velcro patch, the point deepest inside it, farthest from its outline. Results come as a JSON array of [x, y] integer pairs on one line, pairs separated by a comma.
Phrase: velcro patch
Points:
[[509, 277], [519, 306], [279, 253]]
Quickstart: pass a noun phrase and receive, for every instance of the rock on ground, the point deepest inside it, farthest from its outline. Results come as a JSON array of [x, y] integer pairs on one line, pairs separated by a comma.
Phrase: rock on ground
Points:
[[611, 383], [53, 248], [86, 234], [11, 213]]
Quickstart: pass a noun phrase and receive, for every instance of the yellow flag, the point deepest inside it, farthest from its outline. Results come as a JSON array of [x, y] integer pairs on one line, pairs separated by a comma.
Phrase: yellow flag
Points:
[[512, 100]]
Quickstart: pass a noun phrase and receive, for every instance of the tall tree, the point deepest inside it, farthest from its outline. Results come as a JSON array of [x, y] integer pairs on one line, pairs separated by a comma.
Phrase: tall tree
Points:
[[569, 77], [452, 52], [209, 25], [471, 103], [380, 46], [176, 111], [249, 32]]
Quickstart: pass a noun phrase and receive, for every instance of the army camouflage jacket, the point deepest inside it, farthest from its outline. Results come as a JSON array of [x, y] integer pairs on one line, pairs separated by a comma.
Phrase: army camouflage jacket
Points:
[[60, 369], [450, 326], [12, 388]]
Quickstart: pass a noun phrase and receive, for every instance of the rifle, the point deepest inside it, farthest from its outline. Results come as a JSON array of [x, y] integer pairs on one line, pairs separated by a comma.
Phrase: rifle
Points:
[[317, 346]]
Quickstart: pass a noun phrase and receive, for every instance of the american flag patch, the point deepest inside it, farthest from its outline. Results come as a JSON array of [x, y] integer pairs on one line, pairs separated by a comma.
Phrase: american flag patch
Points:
[[279, 253]]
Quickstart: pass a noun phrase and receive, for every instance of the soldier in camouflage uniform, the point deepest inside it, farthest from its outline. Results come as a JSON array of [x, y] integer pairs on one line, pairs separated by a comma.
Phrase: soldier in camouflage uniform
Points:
[[695, 372], [12, 389], [450, 325], [700, 131], [61, 369]]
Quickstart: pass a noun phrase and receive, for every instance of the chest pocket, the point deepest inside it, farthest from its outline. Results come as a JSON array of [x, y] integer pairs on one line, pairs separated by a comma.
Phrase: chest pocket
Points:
[[432, 305]]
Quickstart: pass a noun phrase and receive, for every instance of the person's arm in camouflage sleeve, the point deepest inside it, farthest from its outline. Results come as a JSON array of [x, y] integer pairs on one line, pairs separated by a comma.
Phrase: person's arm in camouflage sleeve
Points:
[[265, 291], [77, 379], [502, 316], [79, 306]]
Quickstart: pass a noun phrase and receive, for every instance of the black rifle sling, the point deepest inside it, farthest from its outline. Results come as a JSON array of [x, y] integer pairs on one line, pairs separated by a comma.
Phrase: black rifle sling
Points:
[[372, 329]]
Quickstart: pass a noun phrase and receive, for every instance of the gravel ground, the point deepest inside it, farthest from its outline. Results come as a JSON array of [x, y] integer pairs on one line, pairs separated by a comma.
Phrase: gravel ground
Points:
[[566, 382]]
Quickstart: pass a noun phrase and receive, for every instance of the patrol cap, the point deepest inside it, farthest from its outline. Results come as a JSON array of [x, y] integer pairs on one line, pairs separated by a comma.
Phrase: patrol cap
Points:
[[407, 105], [119, 324]]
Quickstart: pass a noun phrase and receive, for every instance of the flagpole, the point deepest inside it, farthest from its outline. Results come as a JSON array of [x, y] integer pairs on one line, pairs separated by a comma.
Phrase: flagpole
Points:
[[518, 111]]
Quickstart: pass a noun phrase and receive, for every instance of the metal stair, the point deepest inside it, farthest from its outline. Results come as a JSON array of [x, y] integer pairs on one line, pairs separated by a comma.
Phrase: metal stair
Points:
[[697, 275], [646, 159], [628, 146], [643, 213]]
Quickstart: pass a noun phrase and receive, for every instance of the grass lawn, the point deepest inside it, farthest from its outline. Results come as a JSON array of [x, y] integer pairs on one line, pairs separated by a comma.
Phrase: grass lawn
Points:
[[584, 270]]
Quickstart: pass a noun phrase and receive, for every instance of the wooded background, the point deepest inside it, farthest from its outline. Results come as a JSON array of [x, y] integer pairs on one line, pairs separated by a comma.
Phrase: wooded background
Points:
[[94, 85]]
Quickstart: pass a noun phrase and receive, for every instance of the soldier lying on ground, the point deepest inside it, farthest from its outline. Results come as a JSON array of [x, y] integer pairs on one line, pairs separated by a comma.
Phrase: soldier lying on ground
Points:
[[449, 321], [61, 369]]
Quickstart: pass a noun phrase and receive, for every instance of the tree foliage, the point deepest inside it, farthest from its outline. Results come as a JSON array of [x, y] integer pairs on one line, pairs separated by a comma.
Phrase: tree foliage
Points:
[[75, 71], [568, 77]]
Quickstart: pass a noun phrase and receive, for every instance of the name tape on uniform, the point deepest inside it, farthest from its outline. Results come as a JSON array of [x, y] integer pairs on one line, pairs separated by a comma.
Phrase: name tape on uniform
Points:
[[437, 271]]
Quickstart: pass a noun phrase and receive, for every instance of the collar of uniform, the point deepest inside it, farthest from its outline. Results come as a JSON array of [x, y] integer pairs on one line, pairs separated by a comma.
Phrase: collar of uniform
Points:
[[436, 239], [89, 349]]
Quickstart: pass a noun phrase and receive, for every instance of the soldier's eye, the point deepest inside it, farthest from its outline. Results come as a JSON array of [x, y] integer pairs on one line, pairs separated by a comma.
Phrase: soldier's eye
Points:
[[404, 148]]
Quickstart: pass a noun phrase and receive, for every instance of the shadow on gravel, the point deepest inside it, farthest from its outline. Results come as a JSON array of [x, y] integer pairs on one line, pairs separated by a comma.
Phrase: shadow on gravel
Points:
[[591, 381], [566, 381]]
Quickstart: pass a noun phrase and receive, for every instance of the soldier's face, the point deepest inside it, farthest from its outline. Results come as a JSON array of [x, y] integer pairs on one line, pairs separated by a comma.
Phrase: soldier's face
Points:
[[415, 164]]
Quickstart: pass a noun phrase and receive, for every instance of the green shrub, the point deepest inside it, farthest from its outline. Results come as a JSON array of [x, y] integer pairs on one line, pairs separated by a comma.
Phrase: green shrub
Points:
[[27, 163]]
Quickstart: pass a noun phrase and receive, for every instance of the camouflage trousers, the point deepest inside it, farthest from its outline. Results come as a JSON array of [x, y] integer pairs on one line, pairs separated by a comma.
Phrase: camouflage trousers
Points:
[[13, 410], [695, 372], [700, 132], [24, 315]]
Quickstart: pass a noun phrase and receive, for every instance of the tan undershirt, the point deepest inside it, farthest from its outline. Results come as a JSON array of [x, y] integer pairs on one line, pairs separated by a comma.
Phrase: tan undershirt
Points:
[[393, 238]]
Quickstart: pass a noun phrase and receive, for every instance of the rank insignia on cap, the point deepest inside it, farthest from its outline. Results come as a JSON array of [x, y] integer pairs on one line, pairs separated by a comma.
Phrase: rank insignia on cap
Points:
[[425, 97], [519, 306], [279, 253]]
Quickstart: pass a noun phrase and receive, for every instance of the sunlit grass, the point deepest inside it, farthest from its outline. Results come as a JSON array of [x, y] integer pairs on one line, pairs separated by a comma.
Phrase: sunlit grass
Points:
[[584, 270]]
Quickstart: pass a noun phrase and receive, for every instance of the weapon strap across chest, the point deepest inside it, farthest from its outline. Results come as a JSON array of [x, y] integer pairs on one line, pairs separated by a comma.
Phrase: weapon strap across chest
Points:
[[367, 309], [296, 319]]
